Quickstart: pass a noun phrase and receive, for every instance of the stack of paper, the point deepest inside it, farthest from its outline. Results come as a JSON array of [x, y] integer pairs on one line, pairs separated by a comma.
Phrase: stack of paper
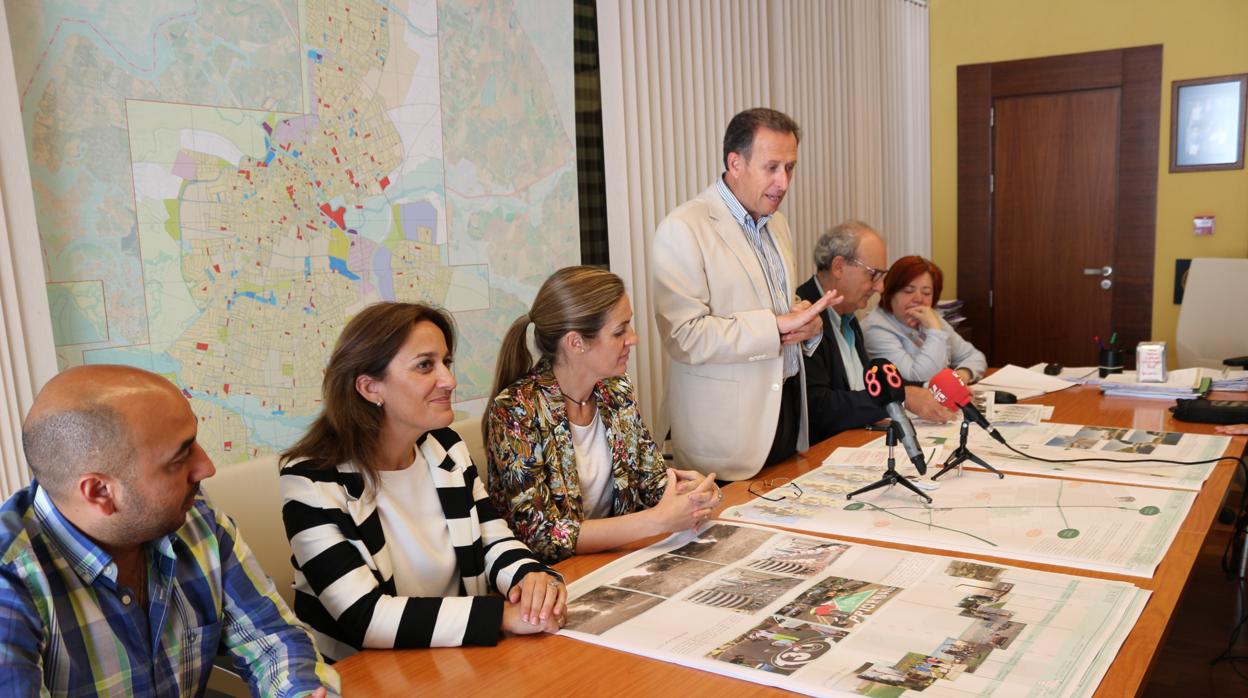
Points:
[[1231, 380], [1184, 383], [986, 401], [1019, 414], [952, 312], [1074, 374], [1021, 382]]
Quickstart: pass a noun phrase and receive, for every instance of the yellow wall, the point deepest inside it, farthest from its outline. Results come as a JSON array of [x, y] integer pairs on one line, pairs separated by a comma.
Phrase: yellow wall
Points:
[[1201, 38]]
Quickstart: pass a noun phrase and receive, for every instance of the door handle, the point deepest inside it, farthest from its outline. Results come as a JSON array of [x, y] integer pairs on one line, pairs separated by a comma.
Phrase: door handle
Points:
[[1098, 271]]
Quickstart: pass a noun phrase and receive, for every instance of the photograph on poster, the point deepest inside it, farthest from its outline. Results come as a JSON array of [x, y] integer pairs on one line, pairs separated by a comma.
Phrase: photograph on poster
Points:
[[742, 590], [666, 575], [606, 607], [722, 544], [839, 602], [779, 645], [798, 556]]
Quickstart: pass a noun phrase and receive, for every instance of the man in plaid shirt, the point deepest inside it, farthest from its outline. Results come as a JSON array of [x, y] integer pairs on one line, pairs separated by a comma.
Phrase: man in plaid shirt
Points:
[[117, 577]]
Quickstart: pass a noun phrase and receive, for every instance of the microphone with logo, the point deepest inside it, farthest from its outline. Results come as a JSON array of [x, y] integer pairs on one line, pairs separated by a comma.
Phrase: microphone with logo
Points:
[[950, 391], [886, 389]]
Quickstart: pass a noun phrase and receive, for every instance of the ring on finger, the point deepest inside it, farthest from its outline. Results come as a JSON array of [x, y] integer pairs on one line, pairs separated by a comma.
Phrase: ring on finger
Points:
[[553, 583]]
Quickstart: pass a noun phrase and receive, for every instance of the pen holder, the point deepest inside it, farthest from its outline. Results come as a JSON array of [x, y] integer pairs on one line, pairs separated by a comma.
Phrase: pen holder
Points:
[[1109, 361]]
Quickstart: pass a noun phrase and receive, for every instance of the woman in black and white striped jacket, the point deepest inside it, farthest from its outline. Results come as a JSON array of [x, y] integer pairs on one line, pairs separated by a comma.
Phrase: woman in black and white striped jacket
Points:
[[395, 541]]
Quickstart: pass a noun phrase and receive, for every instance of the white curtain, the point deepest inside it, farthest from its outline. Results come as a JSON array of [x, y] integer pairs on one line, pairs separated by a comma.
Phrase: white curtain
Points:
[[853, 73], [27, 354]]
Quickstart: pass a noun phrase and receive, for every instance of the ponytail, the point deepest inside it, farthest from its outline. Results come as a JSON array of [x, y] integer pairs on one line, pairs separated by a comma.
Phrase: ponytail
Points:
[[514, 360]]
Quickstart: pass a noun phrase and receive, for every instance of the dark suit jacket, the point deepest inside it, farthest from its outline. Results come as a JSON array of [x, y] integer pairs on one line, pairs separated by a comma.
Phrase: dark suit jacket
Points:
[[832, 406]]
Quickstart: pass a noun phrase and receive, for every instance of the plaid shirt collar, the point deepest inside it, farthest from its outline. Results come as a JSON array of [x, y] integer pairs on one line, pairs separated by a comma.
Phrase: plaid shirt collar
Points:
[[84, 555]]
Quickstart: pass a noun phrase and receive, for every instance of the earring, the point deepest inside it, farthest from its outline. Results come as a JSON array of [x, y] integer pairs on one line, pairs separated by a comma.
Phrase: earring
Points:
[[378, 403]]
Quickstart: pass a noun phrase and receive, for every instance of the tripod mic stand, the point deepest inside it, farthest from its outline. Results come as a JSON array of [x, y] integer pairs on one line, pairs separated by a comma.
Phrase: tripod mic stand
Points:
[[891, 476], [962, 453]]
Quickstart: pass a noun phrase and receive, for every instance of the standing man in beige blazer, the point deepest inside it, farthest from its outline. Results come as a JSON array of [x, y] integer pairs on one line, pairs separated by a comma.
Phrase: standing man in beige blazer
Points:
[[723, 284]]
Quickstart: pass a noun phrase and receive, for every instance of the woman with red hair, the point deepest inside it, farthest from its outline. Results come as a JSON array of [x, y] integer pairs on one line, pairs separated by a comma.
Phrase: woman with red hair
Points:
[[907, 331]]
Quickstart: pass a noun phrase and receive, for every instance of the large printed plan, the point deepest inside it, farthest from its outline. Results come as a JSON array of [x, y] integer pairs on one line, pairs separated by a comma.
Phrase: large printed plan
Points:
[[1090, 525], [825, 617], [1122, 455]]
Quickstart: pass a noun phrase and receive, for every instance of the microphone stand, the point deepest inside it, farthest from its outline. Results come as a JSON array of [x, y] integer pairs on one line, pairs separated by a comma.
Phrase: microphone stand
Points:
[[962, 453], [891, 476]]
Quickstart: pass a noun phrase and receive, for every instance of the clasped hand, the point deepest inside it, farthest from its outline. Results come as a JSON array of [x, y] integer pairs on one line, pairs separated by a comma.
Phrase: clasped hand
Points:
[[537, 603], [687, 501]]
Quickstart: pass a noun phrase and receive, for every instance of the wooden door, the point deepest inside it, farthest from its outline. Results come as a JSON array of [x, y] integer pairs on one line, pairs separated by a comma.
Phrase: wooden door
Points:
[[1057, 173], [1055, 201]]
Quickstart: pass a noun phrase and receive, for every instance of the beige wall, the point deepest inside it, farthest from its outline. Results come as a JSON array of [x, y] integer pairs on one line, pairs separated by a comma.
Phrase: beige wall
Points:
[[1201, 38]]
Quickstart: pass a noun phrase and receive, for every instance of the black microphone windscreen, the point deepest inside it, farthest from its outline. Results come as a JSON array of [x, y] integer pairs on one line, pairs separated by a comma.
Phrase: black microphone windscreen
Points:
[[884, 383]]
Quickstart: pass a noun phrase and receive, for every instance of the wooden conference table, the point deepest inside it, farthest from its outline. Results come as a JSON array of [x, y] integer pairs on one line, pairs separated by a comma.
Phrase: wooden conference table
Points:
[[554, 665]]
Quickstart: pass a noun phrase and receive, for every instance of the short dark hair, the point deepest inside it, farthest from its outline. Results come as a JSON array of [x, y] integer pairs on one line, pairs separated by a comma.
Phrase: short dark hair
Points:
[[65, 444], [739, 136]]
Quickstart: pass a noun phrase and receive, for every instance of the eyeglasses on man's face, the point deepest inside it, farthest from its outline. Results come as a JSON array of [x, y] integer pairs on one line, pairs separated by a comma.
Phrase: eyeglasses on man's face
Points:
[[875, 274]]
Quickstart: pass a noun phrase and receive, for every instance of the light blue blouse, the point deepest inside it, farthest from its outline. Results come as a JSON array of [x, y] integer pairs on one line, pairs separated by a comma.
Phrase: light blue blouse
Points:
[[889, 338]]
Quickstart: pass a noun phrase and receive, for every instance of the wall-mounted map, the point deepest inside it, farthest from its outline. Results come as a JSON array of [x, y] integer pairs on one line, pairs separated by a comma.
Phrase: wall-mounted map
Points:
[[221, 185]]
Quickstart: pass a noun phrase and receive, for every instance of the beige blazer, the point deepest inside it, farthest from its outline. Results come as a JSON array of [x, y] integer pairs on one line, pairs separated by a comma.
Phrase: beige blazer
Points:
[[718, 329]]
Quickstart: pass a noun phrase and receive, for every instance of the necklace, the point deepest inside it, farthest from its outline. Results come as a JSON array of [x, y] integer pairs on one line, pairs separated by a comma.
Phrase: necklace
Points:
[[582, 403]]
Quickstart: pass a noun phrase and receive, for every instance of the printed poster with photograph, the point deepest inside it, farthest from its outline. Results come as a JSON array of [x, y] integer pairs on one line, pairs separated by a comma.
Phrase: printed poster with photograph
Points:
[[825, 617]]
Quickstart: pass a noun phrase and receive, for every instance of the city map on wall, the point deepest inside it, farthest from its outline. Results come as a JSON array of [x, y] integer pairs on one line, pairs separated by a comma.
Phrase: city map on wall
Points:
[[221, 185]]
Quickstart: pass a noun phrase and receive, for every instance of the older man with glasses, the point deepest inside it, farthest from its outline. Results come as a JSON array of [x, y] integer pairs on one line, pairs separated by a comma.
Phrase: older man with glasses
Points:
[[850, 259]]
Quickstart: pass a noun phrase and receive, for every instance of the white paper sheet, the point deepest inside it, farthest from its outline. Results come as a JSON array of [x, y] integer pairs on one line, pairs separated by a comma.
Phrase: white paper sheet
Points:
[[1022, 382]]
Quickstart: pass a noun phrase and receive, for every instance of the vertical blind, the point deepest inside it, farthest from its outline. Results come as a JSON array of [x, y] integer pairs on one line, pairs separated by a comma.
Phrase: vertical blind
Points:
[[854, 75], [25, 320]]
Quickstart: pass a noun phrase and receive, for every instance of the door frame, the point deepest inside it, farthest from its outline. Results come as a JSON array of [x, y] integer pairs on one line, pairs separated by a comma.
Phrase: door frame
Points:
[[1137, 73]]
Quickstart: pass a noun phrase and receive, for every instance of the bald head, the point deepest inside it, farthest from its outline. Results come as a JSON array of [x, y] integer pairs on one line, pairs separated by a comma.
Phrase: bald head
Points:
[[82, 421]]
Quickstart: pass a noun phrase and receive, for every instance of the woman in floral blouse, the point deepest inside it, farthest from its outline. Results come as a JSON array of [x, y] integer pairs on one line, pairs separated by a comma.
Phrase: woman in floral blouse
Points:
[[572, 466]]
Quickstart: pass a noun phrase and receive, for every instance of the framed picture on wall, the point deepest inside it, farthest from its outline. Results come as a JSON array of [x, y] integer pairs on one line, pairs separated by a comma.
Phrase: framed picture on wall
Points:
[[1207, 123]]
